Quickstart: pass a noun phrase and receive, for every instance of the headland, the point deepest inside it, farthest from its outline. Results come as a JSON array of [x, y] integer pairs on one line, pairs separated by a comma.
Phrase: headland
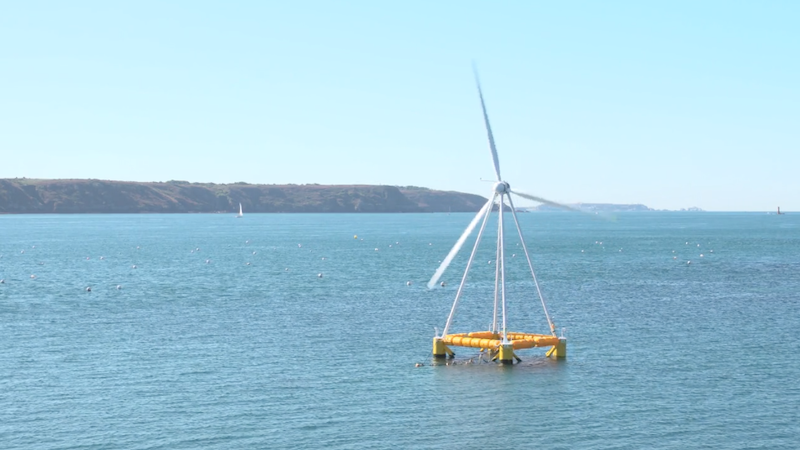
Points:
[[37, 196]]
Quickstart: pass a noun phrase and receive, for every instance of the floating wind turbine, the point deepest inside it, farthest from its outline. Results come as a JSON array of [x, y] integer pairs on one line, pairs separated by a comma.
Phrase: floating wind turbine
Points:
[[498, 340]]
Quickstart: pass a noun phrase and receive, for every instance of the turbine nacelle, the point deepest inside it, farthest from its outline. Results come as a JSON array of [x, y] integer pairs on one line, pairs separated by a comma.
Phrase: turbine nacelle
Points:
[[501, 187]]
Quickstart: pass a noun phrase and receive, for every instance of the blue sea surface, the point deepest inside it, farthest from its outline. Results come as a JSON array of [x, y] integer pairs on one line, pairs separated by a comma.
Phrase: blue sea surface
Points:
[[223, 335]]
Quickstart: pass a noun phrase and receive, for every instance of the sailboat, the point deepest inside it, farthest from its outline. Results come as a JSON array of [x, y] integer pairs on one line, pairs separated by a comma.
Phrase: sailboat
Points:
[[240, 212]]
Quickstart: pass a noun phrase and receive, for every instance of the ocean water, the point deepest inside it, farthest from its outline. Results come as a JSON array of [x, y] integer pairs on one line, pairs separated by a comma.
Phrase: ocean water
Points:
[[199, 349]]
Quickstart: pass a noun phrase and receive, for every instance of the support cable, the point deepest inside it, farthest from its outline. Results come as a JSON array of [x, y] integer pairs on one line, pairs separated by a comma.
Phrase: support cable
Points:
[[487, 213], [530, 264], [503, 270], [496, 282]]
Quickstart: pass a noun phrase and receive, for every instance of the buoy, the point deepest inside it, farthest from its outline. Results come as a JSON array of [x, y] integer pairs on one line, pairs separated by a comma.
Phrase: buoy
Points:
[[408, 283], [137, 247], [674, 257], [88, 289], [246, 242], [2, 281], [248, 264], [286, 269], [208, 261], [299, 245], [119, 286], [133, 266], [688, 262], [355, 236], [23, 251], [701, 255], [418, 365], [390, 245], [319, 275], [33, 276], [430, 243], [254, 253], [698, 245], [513, 255], [87, 258], [376, 249], [33, 246], [441, 284], [490, 261], [581, 251], [711, 251], [102, 257], [197, 249]]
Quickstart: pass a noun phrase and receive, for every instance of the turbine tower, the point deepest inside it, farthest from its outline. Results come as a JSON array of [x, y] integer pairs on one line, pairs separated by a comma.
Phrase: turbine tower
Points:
[[499, 342]]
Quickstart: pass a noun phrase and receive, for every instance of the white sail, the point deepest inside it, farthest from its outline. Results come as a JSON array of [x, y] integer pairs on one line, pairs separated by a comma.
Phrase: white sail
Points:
[[240, 210]]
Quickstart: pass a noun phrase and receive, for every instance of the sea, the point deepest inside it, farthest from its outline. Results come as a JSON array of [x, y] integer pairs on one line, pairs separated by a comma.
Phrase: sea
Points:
[[279, 331]]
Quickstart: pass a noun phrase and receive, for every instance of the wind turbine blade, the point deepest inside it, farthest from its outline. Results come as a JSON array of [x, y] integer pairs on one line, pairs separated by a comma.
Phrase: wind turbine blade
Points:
[[602, 216], [546, 201], [459, 243], [488, 128]]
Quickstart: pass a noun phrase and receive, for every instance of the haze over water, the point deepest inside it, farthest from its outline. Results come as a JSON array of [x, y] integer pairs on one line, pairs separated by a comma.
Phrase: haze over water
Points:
[[198, 349]]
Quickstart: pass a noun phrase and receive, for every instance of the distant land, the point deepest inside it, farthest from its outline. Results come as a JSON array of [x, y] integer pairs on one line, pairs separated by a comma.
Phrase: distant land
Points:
[[604, 207], [32, 196], [36, 196]]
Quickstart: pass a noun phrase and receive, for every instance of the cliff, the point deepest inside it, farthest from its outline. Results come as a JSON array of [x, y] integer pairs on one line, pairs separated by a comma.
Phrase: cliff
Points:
[[26, 196]]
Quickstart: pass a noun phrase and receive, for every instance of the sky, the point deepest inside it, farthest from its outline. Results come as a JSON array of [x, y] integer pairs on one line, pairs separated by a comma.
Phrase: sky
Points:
[[670, 104]]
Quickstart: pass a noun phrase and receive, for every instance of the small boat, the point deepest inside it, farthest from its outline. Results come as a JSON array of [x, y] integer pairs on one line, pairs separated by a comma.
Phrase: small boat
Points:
[[240, 212], [779, 211]]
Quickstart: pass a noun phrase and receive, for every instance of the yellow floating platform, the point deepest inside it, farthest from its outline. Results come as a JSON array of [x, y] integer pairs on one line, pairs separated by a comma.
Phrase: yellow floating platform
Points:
[[493, 342]]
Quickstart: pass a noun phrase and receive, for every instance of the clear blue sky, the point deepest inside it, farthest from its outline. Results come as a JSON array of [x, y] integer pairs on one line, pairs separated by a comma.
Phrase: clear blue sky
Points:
[[671, 104]]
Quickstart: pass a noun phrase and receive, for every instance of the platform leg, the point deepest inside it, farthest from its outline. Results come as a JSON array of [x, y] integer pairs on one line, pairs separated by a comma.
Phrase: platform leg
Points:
[[440, 350], [506, 354], [559, 350]]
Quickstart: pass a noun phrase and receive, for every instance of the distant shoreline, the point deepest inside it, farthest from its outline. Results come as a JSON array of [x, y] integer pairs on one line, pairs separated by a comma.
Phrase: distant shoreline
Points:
[[91, 196], [611, 207], [34, 196]]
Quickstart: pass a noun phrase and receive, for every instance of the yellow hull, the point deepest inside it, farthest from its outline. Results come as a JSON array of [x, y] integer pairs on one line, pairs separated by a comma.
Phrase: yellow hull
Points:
[[494, 342]]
